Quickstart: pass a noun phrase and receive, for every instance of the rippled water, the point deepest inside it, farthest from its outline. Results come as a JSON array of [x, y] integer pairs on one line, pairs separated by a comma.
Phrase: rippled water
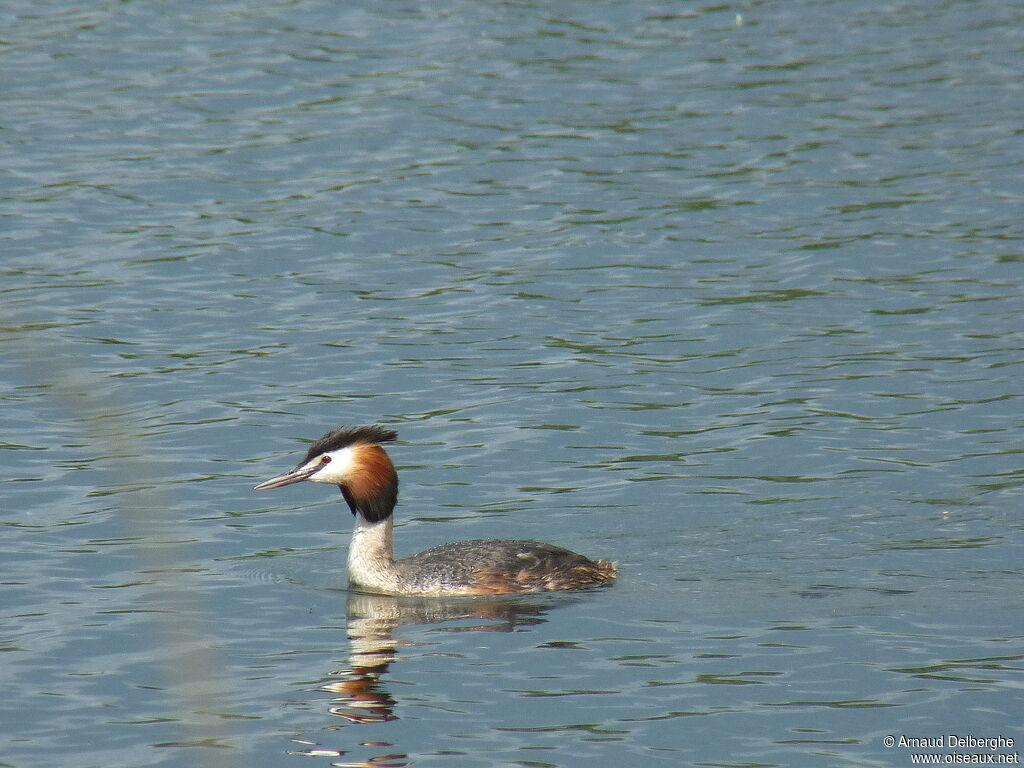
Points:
[[728, 293]]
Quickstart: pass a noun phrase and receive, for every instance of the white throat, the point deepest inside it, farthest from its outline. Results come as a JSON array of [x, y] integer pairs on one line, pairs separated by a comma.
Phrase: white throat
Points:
[[371, 556]]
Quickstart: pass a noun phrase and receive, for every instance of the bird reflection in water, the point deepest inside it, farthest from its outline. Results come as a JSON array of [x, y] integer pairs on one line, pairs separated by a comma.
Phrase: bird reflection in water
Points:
[[359, 693], [372, 620]]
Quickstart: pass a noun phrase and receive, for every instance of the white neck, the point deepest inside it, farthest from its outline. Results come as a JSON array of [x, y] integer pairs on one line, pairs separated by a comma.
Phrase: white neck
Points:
[[371, 556]]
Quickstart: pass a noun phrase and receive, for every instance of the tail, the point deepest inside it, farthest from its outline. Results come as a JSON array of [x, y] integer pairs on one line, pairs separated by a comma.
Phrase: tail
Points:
[[605, 570]]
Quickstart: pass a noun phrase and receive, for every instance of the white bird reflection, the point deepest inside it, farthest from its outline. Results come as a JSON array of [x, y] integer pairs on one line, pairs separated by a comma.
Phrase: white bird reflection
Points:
[[361, 695]]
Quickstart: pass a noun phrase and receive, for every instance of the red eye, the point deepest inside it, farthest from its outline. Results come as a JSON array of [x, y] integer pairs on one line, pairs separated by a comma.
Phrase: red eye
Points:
[[325, 459]]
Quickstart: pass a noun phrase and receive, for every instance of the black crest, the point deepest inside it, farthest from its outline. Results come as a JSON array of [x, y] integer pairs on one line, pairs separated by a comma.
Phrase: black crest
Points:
[[342, 437]]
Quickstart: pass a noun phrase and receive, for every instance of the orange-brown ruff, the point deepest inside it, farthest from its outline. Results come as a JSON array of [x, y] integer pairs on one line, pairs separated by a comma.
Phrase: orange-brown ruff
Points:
[[353, 459]]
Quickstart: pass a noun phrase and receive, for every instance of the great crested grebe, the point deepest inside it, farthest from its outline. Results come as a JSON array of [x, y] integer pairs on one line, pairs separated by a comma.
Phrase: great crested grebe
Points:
[[352, 459]]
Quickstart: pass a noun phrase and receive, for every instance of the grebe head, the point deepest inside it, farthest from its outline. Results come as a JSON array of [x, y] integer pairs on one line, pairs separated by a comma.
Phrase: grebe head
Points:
[[352, 459]]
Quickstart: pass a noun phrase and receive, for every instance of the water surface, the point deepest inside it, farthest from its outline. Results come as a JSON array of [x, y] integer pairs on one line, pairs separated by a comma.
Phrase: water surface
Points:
[[729, 294]]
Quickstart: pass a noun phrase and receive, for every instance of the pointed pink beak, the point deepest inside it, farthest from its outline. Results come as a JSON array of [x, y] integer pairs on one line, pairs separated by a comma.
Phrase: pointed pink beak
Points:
[[295, 476]]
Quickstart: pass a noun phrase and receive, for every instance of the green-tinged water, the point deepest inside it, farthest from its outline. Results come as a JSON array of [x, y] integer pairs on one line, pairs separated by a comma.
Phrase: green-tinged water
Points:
[[730, 294]]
